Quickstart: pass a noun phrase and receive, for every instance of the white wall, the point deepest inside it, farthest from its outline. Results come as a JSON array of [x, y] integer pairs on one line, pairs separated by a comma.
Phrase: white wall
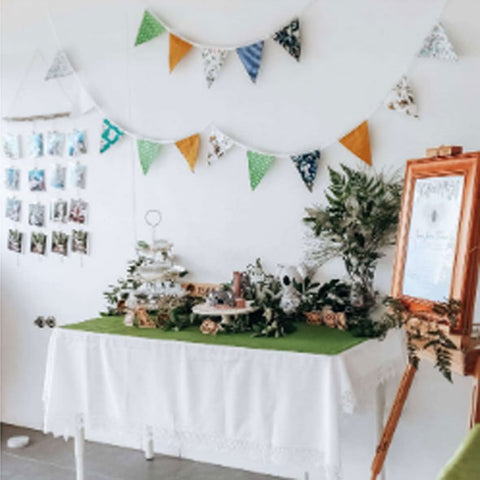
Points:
[[353, 52]]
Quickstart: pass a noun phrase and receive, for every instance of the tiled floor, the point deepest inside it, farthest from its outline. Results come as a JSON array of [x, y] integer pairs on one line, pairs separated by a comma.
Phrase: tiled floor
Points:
[[47, 458]]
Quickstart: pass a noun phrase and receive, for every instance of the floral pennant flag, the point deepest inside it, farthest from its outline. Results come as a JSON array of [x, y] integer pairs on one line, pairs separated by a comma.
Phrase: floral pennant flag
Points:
[[60, 66], [402, 98], [307, 166], [147, 153], [289, 38], [218, 145], [178, 49], [358, 142], [111, 134], [189, 149], [438, 45], [258, 166], [149, 28], [213, 59], [251, 57]]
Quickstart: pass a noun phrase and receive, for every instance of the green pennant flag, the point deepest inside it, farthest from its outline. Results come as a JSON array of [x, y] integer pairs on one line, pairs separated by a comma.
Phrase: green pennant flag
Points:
[[147, 153], [258, 166], [149, 28]]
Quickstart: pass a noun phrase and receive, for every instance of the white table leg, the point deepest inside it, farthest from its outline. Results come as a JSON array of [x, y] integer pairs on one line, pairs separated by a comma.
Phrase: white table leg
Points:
[[149, 444], [79, 446], [379, 418]]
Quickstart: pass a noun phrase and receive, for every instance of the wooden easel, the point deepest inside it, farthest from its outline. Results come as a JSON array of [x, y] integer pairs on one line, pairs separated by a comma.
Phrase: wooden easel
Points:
[[443, 161]]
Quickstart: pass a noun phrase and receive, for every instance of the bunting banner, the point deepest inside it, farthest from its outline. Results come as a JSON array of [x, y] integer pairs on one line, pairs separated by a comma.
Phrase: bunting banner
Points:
[[147, 153], [189, 149], [178, 49], [289, 38], [150, 28], [438, 45], [307, 166], [213, 59], [111, 134], [258, 166], [60, 67], [251, 57], [218, 145], [358, 142], [402, 98]]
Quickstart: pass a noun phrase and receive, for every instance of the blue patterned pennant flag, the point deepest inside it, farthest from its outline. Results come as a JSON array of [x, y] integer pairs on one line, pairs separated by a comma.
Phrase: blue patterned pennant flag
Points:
[[251, 57], [289, 38], [307, 166], [110, 135]]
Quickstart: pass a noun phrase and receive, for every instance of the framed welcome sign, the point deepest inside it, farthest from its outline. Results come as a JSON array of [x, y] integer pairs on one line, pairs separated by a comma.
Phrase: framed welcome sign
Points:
[[438, 248]]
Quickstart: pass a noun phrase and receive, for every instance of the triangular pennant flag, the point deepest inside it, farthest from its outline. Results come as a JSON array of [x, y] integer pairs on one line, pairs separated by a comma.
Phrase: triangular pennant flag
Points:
[[218, 145], [307, 166], [60, 66], [149, 28], [178, 49], [83, 102], [251, 57], [213, 59], [189, 149], [402, 99], [358, 142], [110, 135], [438, 45], [147, 153], [289, 38], [258, 166]]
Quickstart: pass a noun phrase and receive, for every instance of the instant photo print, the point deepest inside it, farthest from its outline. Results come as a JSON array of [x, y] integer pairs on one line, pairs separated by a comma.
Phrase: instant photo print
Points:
[[58, 177], [15, 241], [12, 178], [54, 144], [36, 215], [80, 242], [59, 211], [38, 243], [35, 145], [78, 175], [36, 180], [13, 209], [11, 145], [78, 211], [76, 143], [60, 243]]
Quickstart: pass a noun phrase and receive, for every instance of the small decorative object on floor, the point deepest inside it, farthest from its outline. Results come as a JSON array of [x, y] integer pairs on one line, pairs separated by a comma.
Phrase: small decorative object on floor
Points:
[[20, 441], [209, 327], [314, 318]]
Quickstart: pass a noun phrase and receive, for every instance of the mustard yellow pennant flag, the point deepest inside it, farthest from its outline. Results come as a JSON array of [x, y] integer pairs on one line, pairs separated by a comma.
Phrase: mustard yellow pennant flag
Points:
[[189, 149], [358, 142], [178, 49]]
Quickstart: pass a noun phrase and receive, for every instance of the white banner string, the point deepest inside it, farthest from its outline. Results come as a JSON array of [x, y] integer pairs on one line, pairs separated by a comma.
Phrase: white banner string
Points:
[[225, 47], [210, 126]]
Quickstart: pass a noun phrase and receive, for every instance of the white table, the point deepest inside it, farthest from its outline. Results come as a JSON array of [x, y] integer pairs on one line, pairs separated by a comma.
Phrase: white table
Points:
[[178, 398]]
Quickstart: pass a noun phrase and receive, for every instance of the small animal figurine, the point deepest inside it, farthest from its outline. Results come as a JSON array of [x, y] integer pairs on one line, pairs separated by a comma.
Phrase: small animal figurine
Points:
[[221, 298], [290, 296], [144, 320]]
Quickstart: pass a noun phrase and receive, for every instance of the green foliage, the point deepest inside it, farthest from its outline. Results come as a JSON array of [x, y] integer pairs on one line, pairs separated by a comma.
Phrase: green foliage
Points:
[[360, 219], [120, 291], [434, 338]]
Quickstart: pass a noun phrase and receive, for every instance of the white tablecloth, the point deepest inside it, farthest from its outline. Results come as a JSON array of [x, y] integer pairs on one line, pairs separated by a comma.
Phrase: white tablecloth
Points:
[[272, 406]]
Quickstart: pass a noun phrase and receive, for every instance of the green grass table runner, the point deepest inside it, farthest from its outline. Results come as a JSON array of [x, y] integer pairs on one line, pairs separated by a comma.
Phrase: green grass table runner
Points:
[[306, 339]]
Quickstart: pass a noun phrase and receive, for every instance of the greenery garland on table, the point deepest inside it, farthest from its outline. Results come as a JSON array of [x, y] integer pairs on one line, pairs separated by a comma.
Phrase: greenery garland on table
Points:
[[357, 224]]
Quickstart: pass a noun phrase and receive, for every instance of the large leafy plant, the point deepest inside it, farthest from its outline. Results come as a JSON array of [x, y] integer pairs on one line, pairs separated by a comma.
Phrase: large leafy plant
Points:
[[358, 222]]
